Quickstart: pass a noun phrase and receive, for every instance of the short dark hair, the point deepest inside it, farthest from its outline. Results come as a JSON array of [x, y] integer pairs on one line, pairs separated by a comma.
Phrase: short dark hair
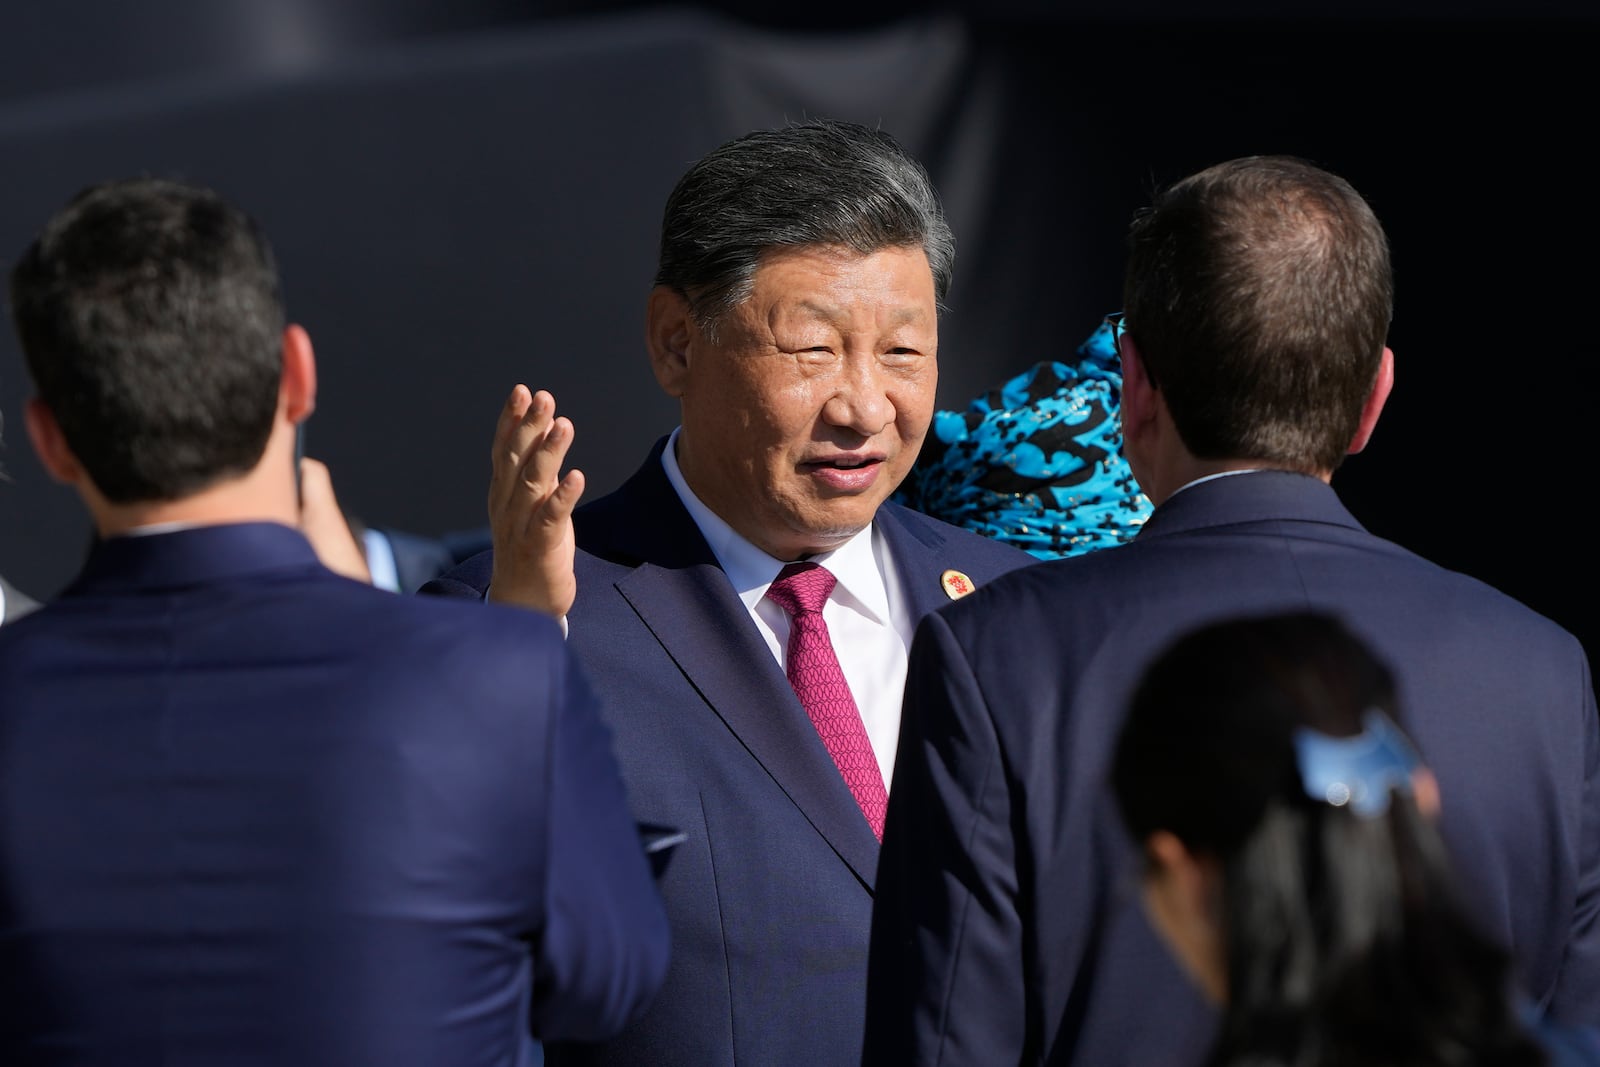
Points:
[[1259, 293], [1343, 938], [150, 316], [821, 182]]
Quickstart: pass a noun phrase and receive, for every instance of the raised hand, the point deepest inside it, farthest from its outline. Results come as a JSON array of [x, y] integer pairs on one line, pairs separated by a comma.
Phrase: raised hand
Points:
[[530, 506], [324, 524]]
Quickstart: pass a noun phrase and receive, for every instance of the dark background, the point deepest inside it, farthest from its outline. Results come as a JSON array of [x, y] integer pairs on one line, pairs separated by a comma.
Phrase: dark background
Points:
[[464, 195]]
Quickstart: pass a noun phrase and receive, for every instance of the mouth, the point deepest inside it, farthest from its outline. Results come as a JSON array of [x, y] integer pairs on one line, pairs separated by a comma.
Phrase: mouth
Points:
[[845, 463], [848, 473]]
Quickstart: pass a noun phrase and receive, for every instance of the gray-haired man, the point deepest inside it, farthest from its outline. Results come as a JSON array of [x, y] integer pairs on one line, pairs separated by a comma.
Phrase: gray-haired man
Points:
[[794, 317]]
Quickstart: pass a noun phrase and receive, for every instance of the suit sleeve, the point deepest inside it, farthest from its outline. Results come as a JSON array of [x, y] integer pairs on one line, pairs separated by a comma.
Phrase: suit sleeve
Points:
[[945, 981], [1577, 994], [602, 954], [468, 580]]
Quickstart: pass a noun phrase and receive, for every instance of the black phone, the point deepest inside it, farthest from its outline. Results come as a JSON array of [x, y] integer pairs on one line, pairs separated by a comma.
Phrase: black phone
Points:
[[299, 454]]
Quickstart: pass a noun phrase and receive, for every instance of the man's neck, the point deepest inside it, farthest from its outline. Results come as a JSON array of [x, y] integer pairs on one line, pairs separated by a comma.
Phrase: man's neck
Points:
[[1183, 471], [244, 499]]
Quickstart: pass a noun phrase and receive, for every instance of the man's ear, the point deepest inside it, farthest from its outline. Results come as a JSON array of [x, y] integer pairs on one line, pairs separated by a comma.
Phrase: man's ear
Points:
[[668, 328], [1375, 401], [50, 443], [1138, 393], [297, 390]]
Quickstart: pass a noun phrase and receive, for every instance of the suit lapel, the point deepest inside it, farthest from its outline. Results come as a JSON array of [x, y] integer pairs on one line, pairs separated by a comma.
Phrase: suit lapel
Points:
[[687, 603], [918, 561], [697, 619]]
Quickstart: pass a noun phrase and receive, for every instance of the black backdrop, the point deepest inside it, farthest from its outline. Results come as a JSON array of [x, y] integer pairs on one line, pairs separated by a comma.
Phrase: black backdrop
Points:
[[466, 195]]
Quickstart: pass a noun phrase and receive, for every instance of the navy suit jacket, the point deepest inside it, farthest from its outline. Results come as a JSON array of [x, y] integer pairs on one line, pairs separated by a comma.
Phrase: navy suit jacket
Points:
[[770, 897], [252, 813], [1008, 926]]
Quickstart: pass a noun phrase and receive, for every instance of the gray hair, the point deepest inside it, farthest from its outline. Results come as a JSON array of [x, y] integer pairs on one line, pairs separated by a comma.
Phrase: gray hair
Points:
[[820, 182]]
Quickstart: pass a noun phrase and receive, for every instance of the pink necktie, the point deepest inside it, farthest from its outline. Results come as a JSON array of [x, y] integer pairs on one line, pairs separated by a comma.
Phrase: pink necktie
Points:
[[801, 589]]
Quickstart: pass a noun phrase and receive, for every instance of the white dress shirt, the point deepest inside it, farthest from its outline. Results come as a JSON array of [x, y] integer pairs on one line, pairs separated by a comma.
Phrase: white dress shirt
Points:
[[867, 616]]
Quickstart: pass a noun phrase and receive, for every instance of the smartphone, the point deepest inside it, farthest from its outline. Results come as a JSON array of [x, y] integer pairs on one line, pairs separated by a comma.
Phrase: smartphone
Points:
[[299, 454]]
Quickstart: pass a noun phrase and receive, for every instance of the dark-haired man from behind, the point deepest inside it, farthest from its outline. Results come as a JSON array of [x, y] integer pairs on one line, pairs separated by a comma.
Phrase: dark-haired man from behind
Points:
[[251, 812], [1258, 297], [795, 320]]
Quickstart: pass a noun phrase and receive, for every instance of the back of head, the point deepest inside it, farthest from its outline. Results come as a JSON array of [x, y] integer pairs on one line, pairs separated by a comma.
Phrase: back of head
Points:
[[151, 320], [1259, 293], [1342, 940], [818, 183]]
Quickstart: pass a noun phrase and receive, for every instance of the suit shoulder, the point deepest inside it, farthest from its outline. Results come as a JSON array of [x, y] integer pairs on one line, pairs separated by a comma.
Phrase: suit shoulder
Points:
[[984, 555], [421, 633], [1031, 598], [1467, 600], [466, 580], [1455, 598], [306, 617]]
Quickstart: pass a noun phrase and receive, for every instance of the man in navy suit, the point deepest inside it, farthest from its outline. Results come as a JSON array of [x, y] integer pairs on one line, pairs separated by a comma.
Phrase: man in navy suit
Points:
[[252, 812], [1258, 299], [794, 317]]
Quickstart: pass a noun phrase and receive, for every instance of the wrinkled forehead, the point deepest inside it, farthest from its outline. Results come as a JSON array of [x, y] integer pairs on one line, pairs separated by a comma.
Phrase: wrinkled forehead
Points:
[[893, 284]]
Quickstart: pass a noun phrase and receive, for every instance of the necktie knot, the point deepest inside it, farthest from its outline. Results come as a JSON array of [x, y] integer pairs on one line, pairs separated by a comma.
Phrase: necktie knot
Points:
[[802, 588]]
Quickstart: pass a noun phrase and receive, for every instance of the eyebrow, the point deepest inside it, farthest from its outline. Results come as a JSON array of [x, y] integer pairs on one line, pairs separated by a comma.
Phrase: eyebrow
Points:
[[908, 315]]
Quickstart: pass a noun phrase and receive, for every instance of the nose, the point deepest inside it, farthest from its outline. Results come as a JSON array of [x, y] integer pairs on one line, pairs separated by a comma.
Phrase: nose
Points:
[[860, 401]]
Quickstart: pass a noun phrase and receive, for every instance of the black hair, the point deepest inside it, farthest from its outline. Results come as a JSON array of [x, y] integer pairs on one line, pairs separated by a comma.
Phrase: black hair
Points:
[[1343, 940], [1259, 292], [150, 316]]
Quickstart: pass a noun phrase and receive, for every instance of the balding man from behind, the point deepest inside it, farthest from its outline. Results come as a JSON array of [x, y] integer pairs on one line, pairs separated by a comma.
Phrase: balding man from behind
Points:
[[1258, 296]]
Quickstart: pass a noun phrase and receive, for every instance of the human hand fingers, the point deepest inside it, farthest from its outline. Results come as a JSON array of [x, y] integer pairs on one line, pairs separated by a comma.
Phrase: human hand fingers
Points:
[[316, 486], [511, 438], [541, 464], [325, 526], [531, 504], [533, 565], [558, 508], [531, 450]]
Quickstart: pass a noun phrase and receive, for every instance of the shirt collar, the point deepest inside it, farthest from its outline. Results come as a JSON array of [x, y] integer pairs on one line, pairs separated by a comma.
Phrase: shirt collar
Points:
[[1212, 478], [860, 583], [194, 556], [154, 528]]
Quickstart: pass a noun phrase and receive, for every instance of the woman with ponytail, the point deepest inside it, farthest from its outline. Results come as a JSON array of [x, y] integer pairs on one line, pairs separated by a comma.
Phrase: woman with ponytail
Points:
[[1293, 866]]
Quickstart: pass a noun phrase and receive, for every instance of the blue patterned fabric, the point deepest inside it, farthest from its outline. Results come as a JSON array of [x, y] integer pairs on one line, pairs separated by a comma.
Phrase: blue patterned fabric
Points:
[[1036, 463]]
